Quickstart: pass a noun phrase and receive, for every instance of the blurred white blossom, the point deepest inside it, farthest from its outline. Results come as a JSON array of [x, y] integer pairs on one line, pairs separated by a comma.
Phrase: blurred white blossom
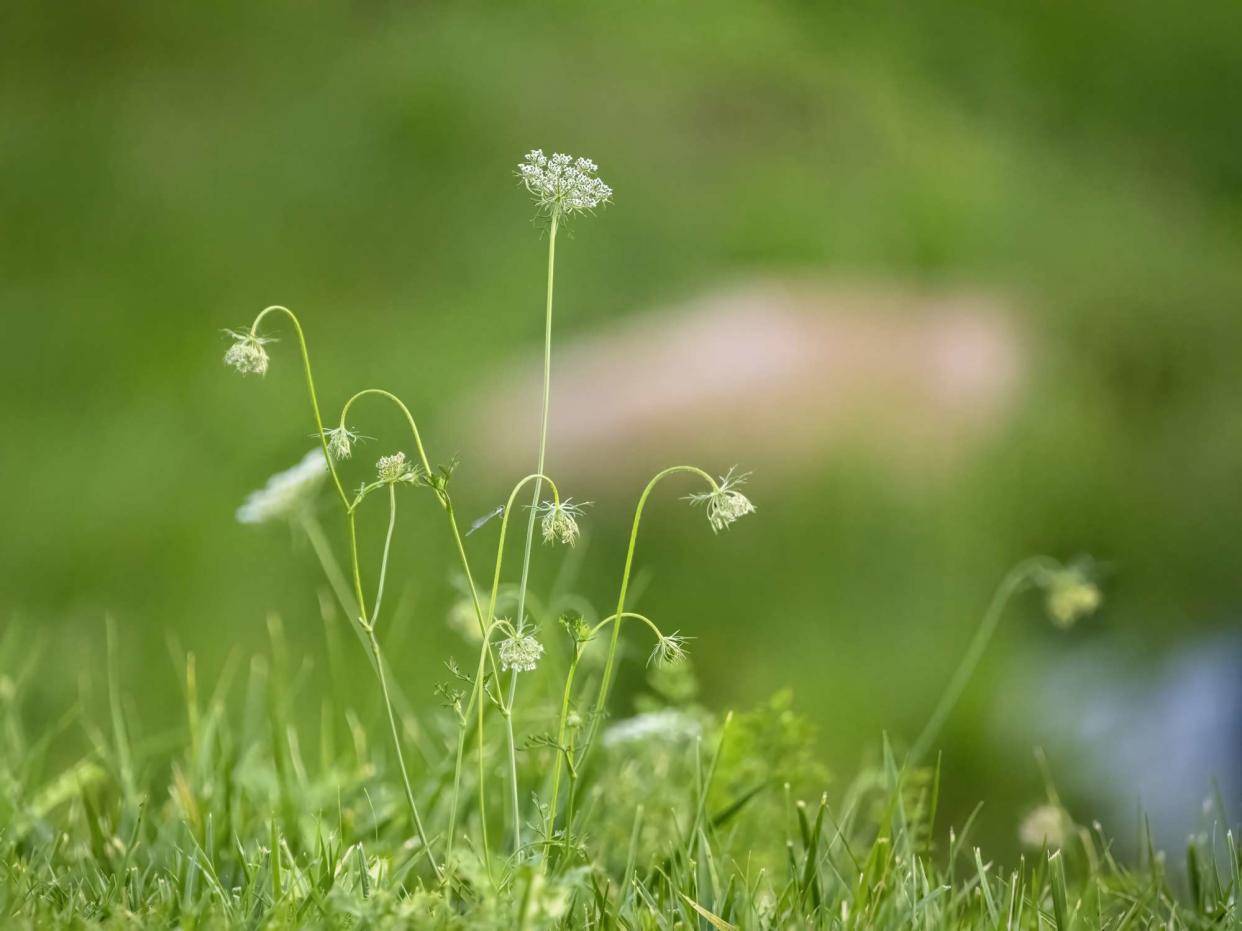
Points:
[[285, 492]]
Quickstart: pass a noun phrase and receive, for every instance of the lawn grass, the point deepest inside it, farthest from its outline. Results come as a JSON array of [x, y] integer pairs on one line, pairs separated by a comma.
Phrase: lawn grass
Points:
[[687, 819]]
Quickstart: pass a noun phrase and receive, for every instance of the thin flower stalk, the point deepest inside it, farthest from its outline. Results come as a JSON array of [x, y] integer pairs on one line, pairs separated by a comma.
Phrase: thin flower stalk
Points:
[[1070, 595], [606, 681]]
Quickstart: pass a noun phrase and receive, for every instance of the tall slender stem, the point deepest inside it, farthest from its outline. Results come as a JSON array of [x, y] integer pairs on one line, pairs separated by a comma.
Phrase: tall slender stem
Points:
[[534, 502], [1013, 582]]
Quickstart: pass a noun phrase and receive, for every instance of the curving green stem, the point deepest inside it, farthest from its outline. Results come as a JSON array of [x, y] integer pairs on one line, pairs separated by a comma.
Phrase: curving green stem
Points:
[[323, 442], [606, 682], [1015, 580], [564, 754], [310, 388], [369, 626]]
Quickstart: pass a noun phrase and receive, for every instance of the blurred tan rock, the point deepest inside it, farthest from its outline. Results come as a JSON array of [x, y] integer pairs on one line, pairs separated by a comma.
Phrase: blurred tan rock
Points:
[[771, 375]]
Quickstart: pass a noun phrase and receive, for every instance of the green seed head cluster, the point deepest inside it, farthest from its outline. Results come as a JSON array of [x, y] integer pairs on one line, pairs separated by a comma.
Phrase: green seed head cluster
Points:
[[247, 354], [563, 184]]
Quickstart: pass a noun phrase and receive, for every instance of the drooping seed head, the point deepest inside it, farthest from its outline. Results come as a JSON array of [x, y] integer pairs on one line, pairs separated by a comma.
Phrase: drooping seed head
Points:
[[669, 650], [287, 492], [725, 504], [340, 442], [247, 354], [560, 521], [562, 184]]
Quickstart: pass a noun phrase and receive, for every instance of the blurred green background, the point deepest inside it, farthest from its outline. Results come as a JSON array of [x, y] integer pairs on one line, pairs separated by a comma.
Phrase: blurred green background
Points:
[[170, 169]]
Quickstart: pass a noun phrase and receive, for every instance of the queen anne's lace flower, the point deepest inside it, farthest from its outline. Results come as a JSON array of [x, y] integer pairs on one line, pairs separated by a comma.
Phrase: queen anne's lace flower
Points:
[[563, 184], [520, 653], [560, 521], [247, 354], [285, 492], [725, 503]]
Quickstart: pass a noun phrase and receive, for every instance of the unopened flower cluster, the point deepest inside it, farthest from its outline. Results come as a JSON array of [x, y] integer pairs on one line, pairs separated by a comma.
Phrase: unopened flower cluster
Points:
[[563, 184]]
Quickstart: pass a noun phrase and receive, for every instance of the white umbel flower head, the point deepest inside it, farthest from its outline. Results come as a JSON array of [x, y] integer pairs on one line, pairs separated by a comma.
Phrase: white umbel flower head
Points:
[[285, 492], [563, 184], [394, 468], [340, 442], [247, 354], [725, 504], [519, 652], [560, 521]]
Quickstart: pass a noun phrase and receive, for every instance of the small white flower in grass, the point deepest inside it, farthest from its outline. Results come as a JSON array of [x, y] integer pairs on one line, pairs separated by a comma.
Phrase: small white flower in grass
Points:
[[394, 468], [669, 650], [340, 442], [247, 354], [560, 521], [563, 184], [725, 504], [285, 492], [1046, 826], [519, 652]]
